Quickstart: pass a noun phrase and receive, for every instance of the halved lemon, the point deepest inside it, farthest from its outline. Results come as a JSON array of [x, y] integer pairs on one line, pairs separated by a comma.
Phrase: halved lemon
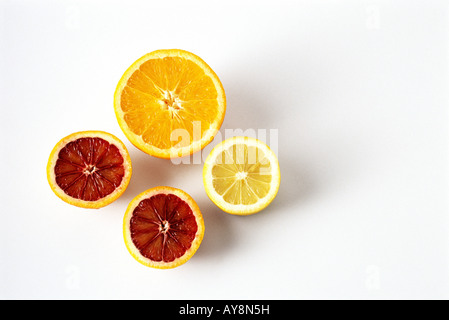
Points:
[[89, 169], [241, 175], [163, 227], [170, 103]]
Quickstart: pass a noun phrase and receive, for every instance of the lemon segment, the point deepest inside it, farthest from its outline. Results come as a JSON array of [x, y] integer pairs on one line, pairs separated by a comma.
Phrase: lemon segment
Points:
[[241, 175]]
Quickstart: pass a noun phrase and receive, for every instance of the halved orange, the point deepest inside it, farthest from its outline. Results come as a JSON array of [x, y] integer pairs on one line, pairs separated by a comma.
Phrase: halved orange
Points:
[[89, 169], [170, 103], [163, 227]]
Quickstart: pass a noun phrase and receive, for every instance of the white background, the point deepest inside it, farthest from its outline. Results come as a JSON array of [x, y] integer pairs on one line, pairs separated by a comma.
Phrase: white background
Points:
[[357, 89]]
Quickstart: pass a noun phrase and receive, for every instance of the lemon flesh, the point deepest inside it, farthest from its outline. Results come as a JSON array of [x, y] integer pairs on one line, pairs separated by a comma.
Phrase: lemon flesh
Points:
[[241, 175]]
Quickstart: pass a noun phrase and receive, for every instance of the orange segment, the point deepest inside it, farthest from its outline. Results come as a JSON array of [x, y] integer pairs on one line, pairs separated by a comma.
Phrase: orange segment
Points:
[[166, 95]]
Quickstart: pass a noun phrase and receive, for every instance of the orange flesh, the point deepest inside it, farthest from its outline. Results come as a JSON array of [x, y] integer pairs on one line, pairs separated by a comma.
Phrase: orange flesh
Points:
[[163, 227], [89, 168], [168, 94]]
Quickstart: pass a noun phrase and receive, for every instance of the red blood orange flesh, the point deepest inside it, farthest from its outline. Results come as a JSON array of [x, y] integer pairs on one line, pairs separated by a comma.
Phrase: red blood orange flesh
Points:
[[89, 169], [163, 227]]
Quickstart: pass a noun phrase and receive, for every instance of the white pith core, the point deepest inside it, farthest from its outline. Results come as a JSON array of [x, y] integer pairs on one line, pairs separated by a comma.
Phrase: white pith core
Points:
[[241, 175], [171, 101]]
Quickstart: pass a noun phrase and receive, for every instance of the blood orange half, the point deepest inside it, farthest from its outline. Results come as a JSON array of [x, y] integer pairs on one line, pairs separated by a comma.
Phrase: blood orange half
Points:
[[89, 169], [163, 227]]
